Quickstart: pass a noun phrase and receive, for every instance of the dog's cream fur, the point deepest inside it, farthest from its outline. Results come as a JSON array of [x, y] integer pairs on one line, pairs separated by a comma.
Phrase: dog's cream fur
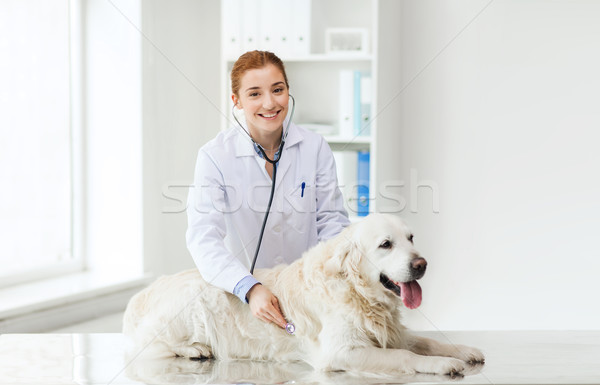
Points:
[[345, 318]]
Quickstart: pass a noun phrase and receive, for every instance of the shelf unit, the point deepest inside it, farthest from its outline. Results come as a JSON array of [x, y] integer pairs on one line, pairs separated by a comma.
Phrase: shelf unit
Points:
[[314, 77]]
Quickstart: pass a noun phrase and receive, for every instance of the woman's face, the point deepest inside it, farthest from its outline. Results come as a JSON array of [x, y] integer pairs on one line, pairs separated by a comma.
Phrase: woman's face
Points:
[[264, 97]]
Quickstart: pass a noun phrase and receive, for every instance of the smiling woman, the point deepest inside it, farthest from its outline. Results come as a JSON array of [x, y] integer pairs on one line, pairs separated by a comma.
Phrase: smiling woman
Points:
[[232, 181]]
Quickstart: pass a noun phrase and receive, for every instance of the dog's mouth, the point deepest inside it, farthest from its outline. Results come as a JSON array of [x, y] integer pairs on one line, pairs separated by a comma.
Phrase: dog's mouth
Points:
[[409, 292]]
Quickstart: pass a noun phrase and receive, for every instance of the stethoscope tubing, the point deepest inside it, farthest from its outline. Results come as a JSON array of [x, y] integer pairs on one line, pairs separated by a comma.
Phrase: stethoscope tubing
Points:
[[262, 229], [289, 327], [274, 178]]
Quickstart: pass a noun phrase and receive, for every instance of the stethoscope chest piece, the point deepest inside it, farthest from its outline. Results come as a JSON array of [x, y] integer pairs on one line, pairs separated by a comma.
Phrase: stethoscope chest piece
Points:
[[290, 328]]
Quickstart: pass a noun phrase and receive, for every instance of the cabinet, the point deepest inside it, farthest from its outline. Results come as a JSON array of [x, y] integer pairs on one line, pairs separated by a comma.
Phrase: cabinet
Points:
[[314, 75]]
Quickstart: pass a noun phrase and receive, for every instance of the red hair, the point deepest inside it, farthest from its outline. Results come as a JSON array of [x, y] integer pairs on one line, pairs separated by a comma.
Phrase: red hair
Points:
[[254, 60]]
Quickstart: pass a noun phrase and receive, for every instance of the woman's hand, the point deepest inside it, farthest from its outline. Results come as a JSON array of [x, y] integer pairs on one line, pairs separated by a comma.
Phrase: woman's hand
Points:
[[264, 305]]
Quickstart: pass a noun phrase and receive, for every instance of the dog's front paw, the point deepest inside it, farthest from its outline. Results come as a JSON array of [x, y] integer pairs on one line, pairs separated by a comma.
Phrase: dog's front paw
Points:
[[443, 365], [468, 354], [451, 367]]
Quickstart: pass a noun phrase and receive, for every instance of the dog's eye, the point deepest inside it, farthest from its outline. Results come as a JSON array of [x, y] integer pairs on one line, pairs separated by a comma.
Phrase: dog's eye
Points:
[[385, 244], [410, 238]]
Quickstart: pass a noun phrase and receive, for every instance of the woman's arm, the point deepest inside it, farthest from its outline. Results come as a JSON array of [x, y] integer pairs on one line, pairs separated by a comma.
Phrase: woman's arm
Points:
[[206, 227]]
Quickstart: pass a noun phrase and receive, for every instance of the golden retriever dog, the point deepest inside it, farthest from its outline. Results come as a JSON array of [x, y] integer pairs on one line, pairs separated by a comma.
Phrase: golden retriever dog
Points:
[[344, 297]]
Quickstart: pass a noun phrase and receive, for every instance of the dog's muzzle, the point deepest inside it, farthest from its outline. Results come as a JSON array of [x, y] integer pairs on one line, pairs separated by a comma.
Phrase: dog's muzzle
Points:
[[409, 292]]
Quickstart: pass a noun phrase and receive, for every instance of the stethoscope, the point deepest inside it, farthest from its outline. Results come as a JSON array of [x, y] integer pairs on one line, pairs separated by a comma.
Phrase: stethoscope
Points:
[[289, 327]]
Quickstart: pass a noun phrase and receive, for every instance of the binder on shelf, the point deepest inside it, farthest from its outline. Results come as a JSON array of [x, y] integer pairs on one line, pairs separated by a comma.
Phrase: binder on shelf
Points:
[[283, 38], [272, 36], [356, 104], [232, 28], [363, 181], [250, 24], [362, 103], [300, 37], [346, 163], [256, 24], [267, 31], [346, 103], [366, 97]]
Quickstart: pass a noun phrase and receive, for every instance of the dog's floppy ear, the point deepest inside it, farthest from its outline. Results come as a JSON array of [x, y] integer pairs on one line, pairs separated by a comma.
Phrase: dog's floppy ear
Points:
[[345, 253]]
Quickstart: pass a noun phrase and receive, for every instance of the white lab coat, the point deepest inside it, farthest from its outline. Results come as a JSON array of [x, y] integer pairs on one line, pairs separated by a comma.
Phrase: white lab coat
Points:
[[231, 190]]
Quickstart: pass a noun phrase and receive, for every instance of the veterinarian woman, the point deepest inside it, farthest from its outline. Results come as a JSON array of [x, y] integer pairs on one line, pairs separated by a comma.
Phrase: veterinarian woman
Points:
[[232, 185]]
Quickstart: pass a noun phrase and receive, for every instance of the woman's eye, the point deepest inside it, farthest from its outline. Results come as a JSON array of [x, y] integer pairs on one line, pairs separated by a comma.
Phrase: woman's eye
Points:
[[253, 94], [278, 90], [385, 244]]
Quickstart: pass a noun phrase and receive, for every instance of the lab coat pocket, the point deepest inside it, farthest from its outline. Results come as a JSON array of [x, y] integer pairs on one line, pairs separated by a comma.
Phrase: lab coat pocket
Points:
[[301, 207]]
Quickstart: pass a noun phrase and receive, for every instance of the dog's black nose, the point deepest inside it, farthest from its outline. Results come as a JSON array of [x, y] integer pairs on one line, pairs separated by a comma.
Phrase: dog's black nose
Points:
[[417, 267]]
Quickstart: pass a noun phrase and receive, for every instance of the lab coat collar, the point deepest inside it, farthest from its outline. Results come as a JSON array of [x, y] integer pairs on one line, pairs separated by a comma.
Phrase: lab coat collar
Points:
[[245, 147]]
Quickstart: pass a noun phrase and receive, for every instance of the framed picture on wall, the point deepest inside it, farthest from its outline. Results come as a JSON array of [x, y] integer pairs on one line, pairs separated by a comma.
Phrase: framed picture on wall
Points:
[[347, 40]]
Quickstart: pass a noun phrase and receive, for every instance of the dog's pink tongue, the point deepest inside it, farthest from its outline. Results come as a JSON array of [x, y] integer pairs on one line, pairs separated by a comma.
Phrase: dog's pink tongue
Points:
[[411, 294]]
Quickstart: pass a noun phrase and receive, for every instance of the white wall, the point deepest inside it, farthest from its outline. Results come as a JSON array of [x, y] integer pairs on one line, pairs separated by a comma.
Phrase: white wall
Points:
[[505, 124], [181, 87]]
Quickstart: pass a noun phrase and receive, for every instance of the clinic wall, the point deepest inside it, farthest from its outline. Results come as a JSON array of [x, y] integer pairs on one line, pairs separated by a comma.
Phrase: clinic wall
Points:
[[499, 114], [181, 67]]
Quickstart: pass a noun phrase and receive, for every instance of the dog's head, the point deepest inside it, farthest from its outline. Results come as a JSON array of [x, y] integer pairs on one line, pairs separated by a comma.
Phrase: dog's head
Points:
[[379, 250]]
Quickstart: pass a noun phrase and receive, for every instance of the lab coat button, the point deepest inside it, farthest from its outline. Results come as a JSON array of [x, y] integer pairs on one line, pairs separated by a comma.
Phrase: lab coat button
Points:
[[276, 228], [279, 259]]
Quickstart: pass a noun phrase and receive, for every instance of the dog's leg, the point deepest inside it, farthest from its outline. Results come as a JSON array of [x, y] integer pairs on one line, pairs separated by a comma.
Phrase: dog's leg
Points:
[[195, 350], [377, 360], [429, 347]]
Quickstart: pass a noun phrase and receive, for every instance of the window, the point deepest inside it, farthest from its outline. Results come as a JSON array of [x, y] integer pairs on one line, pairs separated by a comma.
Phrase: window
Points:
[[36, 140]]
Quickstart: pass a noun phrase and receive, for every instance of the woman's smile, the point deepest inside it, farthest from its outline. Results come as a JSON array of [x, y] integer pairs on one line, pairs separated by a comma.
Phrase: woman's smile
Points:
[[270, 115]]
